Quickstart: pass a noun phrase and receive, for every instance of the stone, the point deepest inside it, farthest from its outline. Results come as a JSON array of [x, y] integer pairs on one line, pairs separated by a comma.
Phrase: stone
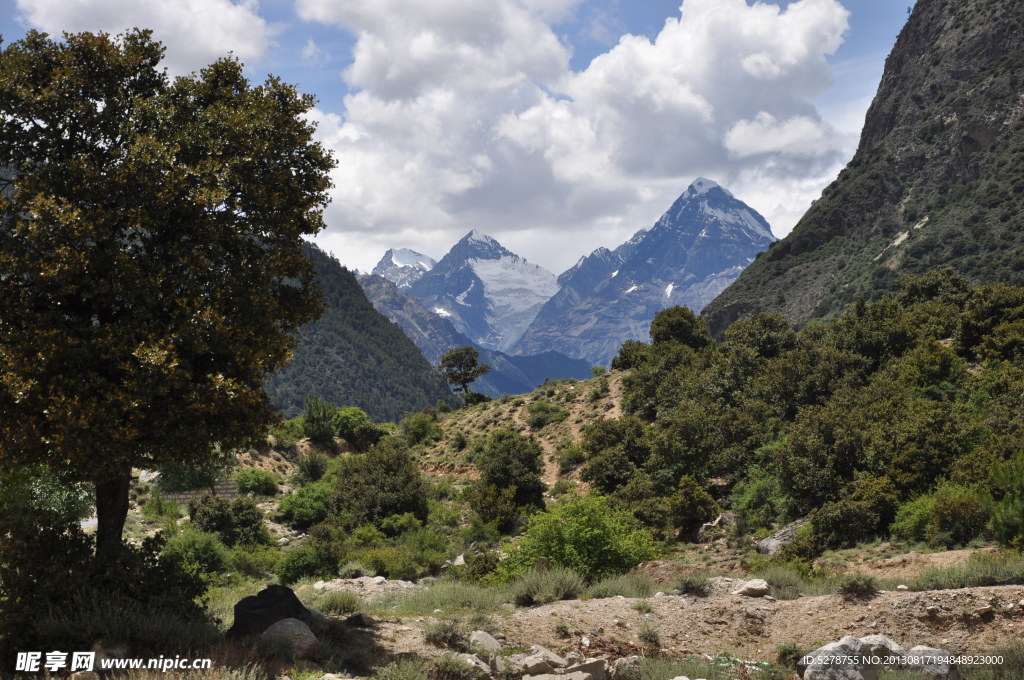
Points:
[[256, 613], [825, 666], [757, 587], [480, 669], [881, 645], [624, 664], [923, 660], [360, 620], [932, 610], [902, 587], [597, 668], [983, 610], [459, 560], [535, 664], [781, 538], [549, 656], [724, 519], [680, 677], [295, 633], [283, 541], [483, 641], [318, 619], [331, 676], [574, 658]]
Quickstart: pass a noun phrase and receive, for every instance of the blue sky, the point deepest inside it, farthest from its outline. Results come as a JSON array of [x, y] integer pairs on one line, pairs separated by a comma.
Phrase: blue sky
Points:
[[557, 126]]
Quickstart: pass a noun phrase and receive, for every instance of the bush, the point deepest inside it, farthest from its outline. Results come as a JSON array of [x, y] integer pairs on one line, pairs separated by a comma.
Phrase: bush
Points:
[[256, 482], [541, 586], [339, 602], [302, 562], [445, 633], [255, 561], [158, 506], [981, 570], [1008, 512], [199, 553], [692, 506], [369, 487], [394, 562], [858, 586], [693, 584], [408, 668], [951, 515], [569, 459], [495, 506], [312, 466], [306, 506], [626, 585], [238, 521], [318, 423], [649, 636], [346, 420], [450, 667], [585, 534], [540, 414], [420, 428], [513, 461], [288, 433]]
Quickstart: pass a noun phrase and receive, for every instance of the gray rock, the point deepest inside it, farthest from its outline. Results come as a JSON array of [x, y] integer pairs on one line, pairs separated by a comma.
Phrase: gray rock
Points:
[[929, 662], [484, 641], [256, 613], [624, 664], [295, 634], [360, 620], [459, 560], [549, 656], [757, 587], [881, 645], [597, 668], [825, 666], [480, 668], [535, 664], [781, 538], [574, 658], [724, 519], [283, 541]]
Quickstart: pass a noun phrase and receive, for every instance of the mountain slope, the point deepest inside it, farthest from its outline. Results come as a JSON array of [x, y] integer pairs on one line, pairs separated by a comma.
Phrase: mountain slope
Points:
[[354, 356], [938, 177], [435, 335], [489, 293], [695, 250]]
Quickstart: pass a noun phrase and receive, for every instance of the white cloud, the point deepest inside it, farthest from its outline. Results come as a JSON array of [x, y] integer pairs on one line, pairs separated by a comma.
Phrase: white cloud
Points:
[[465, 113], [195, 32], [313, 54]]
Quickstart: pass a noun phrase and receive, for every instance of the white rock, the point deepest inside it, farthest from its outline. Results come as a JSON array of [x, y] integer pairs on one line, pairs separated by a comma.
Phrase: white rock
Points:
[[284, 541], [921, 658], [757, 587], [480, 668], [825, 666], [902, 587], [597, 668], [295, 633], [484, 641], [881, 645], [548, 655]]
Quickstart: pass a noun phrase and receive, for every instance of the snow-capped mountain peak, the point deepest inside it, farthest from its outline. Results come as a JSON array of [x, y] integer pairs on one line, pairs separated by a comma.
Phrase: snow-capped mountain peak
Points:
[[703, 185], [403, 266]]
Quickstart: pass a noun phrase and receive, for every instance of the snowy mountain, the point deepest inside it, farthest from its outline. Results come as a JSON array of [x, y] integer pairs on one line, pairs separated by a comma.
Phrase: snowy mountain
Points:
[[403, 267], [696, 249], [489, 293]]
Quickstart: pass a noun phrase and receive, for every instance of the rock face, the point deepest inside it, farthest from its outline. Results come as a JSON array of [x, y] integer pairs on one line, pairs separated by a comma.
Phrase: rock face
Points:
[[489, 293], [930, 662], [697, 248], [256, 613], [295, 634], [935, 180], [848, 659], [780, 539]]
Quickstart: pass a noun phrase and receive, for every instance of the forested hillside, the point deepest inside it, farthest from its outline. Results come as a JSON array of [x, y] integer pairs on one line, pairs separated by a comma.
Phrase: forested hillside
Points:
[[938, 177], [354, 356]]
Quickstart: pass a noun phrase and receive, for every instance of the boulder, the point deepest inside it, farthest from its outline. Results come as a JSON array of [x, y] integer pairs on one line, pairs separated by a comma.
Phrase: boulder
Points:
[[535, 664], [825, 665], [549, 656], [624, 664], [781, 538], [360, 620], [757, 587], [480, 669], [295, 634], [723, 520], [881, 645], [256, 613], [483, 641], [931, 663], [597, 668]]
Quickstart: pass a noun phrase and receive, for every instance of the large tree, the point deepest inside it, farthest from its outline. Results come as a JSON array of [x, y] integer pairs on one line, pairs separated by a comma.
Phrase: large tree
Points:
[[461, 366], [151, 268]]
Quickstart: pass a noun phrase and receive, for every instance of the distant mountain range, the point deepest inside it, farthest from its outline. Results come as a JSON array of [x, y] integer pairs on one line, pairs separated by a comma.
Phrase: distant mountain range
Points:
[[499, 301], [938, 177]]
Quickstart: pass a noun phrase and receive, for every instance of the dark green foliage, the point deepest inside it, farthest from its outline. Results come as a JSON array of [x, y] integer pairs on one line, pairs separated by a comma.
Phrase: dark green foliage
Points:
[[693, 584], [256, 482], [346, 420], [354, 355], [305, 561], [679, 324], [235, 522], [1008, 513], [200, 553], [540, 414], [692, 506], [420, 428], [496, 506], [318, 420], [371, 486], [312, 466], [445, 633], [511, 460], [306, 506], [460, 367], [177, 477], [951, 515]]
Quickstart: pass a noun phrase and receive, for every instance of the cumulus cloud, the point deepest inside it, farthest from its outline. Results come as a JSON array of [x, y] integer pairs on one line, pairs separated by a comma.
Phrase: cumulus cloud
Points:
[[195, 32], [465, 113]]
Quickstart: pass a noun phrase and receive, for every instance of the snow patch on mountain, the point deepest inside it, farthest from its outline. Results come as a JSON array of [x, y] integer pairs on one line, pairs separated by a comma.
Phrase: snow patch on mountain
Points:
[[403, 266]]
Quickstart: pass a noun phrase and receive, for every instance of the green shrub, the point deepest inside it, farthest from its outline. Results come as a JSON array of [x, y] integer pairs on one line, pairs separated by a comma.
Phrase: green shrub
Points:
[[692, 506], [626, 585], [858, 586], [569, 459], [511, 460], [445, 633], [643, 606], [693, 584], [981, 569], [238, 521], [158, 506], [1008, 512], [447, 596], [540, 414], [306, 506], [368, 487], [788, 655], [478, 567], [585, 534], [548, 585], [394, 562], [318, 424], [951, 515], [304, 561], [913, 518], [339, 602], [199, 553], [288, 433], [450, 667], [649, 636], [346, 420], [311, 467], [255, 561], [496, 506], [561, 629], [256, 482], [420, 428], [407, 668]]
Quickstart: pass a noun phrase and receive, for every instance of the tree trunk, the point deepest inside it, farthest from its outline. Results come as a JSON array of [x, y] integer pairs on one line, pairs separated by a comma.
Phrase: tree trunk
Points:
[[111, 512]]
